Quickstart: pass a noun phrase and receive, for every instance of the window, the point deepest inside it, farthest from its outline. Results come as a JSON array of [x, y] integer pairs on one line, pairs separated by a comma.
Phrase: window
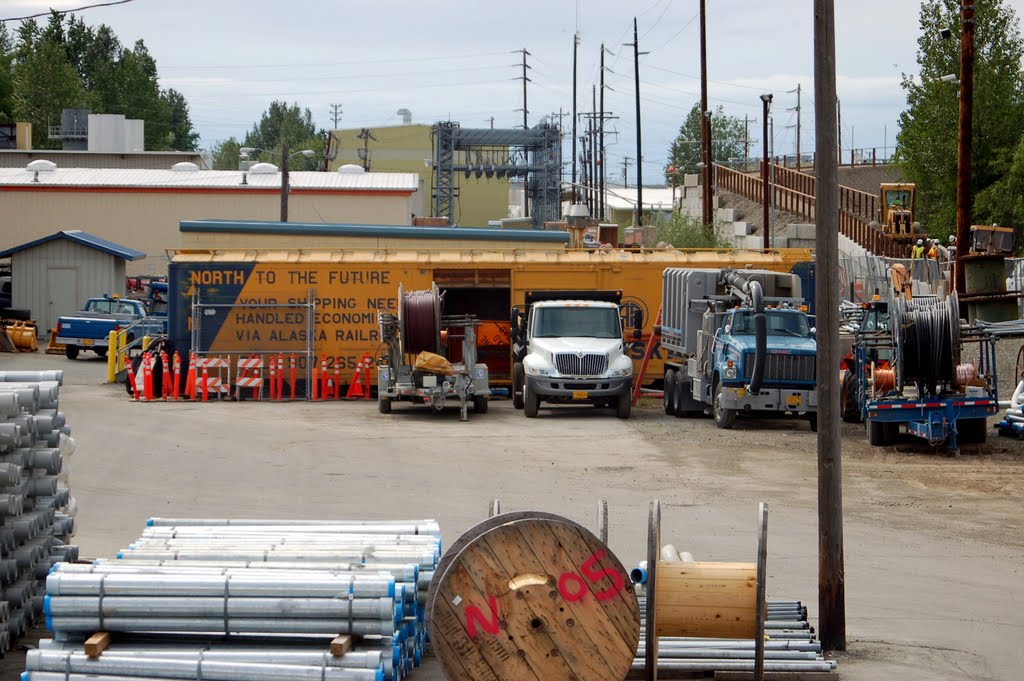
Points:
[[586, 322], [102, 306], [778, 323]]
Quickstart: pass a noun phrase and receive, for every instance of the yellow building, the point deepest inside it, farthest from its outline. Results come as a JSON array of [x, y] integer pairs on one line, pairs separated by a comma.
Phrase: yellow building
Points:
[[409, 149]]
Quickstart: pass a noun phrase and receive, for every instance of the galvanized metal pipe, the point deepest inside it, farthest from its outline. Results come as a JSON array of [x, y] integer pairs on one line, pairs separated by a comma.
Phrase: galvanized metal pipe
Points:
[[726, 665], [54, 375], [428, 526], [234, 585], [266, 625], [401, 572]]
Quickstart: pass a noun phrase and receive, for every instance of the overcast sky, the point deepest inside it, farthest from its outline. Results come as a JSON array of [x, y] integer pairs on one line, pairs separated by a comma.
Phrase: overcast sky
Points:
[[454, 60]]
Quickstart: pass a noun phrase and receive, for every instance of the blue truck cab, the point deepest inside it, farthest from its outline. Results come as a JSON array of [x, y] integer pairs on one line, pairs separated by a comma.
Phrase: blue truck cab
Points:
[[89, 329], [788, 382]]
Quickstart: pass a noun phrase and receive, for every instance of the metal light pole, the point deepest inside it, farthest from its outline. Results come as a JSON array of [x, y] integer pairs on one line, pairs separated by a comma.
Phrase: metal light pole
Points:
[[284, 182], [766, 102]]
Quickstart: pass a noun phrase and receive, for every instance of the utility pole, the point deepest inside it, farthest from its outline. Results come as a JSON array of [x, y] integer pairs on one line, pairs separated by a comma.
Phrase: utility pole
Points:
[[593, 150], [284, 182], [766, 190], [525, 80], [575, 51], [963, 166], [600, 148], [639, 148], [625, 172], [705, 132], [839, 129], [336, 114], [798, 127], [364, 154], [831, 573]]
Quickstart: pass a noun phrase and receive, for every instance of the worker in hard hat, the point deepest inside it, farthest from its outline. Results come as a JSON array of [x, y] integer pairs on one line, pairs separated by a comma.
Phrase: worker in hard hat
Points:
[[933, 250], [917, 251]]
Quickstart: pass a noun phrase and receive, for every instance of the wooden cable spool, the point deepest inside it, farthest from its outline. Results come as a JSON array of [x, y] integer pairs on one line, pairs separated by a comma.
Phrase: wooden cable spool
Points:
[[532, 596], [716, 600]]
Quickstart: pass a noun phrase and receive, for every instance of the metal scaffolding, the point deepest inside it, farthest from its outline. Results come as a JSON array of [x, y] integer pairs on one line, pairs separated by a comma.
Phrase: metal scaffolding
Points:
[[534, 154]]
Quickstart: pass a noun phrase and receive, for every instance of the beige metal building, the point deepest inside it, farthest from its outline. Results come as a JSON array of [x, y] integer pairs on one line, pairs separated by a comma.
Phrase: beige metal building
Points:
[[154, 160], [143, 208], [53, 275]]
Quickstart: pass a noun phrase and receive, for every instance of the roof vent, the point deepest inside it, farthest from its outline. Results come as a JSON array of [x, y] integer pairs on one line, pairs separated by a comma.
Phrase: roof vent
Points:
[[263, 169], [185, 167], [351, 169], [41, 164]]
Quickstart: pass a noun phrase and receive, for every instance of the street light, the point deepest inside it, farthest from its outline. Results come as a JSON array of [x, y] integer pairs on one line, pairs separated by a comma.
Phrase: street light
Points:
[[285, 156], [766, 102]]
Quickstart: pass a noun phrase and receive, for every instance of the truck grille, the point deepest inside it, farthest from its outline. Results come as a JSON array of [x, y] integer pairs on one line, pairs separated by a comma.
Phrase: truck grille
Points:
[[571, 364], [782, 367]]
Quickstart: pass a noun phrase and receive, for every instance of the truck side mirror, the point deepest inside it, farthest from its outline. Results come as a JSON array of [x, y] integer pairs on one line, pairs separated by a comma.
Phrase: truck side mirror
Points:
[[638, 334], [814, 331]]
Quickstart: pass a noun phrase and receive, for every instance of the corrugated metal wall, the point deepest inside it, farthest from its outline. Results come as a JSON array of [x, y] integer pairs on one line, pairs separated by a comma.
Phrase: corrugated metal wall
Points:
[[85, 159], [94, 273], [149, 221]]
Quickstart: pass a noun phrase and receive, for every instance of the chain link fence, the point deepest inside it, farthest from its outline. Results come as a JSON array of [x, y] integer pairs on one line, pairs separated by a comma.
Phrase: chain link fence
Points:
[[255, 350]]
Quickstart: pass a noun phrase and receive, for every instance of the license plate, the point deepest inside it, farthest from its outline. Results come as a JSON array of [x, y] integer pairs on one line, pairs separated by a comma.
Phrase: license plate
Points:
[[86, 341], [580, 394], [793, 401]]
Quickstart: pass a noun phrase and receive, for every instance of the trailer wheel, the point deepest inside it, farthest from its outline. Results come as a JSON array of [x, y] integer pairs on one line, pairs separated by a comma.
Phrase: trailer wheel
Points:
[[812, 419], [724, 418], [669, 399], [480, 404], [384, 405], [518, 374], [71, 351], [531, 402], [850, 408], [971, 431], [624, 405], [879, 433], [102, 352]]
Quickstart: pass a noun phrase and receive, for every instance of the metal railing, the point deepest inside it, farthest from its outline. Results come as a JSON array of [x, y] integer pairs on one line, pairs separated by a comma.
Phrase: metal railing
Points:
[[794, 192]]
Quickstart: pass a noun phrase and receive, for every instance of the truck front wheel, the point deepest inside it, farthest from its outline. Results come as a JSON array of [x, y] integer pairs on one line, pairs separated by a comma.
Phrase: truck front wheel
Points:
[[101, 351], [724, 418], [518, 374], [531, 402], [623, 405], [669, 400], [850, 408], [71, 351]]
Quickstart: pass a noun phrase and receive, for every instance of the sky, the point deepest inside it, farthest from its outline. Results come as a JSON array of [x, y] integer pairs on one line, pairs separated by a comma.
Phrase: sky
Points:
[[459, 61]]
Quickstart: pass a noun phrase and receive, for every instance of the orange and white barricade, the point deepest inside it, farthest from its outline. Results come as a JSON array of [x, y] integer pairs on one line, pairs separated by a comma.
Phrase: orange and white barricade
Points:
[[250, 375], [209, 382]]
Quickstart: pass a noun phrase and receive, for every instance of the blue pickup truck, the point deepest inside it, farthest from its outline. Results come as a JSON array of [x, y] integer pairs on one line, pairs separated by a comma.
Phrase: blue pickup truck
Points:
[[90, 328]]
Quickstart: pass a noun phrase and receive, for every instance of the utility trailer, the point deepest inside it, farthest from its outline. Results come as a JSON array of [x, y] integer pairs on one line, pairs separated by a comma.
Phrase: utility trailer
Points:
[[421, 327], [926, 387]]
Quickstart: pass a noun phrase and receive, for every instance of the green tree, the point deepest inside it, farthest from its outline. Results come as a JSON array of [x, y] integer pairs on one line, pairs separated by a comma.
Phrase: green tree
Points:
[[926, 146], [44, 83], [727, 134], [283, 123], [182, 136], [226, 154], [1002, 202], [6, 80], [684, 231]]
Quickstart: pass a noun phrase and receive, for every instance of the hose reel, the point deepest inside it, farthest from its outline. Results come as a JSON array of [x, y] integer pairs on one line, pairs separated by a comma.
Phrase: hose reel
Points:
[[928, 342], [419, 320]]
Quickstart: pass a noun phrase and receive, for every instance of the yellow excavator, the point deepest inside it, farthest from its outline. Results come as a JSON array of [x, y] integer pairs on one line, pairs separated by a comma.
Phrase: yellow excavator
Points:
[[896, 212]]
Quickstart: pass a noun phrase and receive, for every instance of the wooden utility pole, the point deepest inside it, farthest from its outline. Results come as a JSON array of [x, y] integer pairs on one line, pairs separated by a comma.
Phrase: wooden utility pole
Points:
[[705, 130], [593, 151], [766, 190], [600, 149], [284, 182], [839, 128], [963, 165], [639, 152], [746, 141], [831, 571], [575, 50], [625, 172]]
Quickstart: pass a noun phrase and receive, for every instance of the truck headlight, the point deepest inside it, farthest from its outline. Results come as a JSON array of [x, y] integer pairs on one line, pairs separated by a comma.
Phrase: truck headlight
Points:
[[537, 371], [620, 372], [730, 372]]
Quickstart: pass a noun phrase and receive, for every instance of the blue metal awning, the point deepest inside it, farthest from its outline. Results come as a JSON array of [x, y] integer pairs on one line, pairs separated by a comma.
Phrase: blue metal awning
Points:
[[83, 238]]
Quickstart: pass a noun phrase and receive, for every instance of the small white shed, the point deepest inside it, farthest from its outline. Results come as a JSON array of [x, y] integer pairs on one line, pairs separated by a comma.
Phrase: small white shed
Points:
[[54, 275]]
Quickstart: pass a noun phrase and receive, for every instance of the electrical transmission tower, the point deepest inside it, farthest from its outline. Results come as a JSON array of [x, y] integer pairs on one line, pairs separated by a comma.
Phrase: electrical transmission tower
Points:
[[336, 114]]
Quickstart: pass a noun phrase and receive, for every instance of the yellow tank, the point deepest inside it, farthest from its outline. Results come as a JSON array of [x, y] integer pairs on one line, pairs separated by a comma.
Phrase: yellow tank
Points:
[[350, 286]]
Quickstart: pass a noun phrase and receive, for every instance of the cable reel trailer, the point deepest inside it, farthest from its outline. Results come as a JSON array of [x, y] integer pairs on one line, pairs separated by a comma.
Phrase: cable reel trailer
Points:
[[424, 362]]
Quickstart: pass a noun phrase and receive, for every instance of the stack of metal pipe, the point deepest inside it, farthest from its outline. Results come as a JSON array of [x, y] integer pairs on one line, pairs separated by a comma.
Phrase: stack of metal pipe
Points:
[[36, 508], [299, 582]]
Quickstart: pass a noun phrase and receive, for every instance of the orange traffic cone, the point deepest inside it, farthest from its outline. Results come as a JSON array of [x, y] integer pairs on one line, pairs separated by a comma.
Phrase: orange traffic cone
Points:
[[355, 388]]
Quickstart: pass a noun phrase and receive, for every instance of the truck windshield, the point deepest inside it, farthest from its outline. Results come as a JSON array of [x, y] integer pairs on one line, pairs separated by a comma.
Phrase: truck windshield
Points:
[[589, 322], [779, 323]]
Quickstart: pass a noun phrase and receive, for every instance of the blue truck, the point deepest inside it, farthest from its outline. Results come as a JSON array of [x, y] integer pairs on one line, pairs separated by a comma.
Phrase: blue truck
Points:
[[739, 342], [89, 329]]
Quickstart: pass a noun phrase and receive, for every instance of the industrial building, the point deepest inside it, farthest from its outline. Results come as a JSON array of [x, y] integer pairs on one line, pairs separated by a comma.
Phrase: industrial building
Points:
[[408, 148], [143, 208]]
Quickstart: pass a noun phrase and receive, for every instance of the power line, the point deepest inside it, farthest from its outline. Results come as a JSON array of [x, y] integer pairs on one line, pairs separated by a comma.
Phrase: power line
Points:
[[68, 11]]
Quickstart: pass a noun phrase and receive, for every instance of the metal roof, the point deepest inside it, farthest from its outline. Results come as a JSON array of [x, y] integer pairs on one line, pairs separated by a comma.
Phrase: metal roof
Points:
[[374, 231], [208, 179], [83, 238]]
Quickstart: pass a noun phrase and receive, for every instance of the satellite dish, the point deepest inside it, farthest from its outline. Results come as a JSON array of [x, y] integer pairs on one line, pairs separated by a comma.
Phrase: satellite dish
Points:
[[351, 168], [41, 164], [263, 169], [185, 167]]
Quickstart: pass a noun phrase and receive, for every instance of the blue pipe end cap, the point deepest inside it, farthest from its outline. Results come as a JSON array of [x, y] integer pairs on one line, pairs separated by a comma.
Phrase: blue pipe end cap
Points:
[[417, 657], [638, 575], [415, 574], [399, 612], [48, 615], [391, 589], [25, 676], [379, 676], [149, 522], [120, 555]]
